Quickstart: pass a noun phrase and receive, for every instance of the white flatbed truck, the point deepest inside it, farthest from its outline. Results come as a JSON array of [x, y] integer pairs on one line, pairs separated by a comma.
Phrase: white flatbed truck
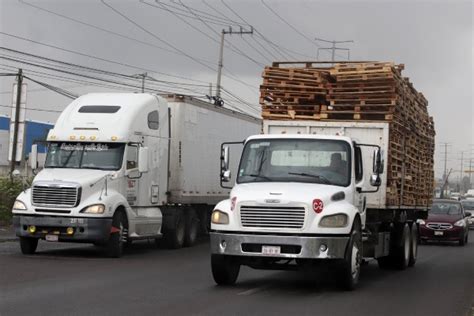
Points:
[[309, 193]]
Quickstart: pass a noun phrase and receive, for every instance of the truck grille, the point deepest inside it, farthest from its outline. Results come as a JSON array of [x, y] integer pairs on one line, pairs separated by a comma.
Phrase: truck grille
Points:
[[55, 196], [439, 226], [272, 216]]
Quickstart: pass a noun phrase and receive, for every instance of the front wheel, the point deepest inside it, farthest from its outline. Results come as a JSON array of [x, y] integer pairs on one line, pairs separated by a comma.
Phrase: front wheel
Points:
[[28, 245], [118, 236], [224, 269], [350, 270]]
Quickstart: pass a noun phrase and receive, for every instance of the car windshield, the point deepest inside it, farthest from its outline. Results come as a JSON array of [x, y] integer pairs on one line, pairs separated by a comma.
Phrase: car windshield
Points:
[[468, 205], [104, 156], [296, 160], [446, 209]]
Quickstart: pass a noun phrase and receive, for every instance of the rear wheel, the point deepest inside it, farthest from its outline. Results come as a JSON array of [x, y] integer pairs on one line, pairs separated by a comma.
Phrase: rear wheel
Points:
[[224, 269], [350, 270], [402, 247], [174, 235], [118, 236], [192, 228], [463, 240], [413, 245], [28, 245]]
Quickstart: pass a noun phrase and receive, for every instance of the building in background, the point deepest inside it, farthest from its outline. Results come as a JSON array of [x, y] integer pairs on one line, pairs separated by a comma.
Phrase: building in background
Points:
[[35, 132]]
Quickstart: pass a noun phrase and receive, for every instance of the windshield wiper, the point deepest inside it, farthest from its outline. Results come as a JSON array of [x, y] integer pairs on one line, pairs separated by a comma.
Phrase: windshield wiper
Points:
[[257, 176], [324, 179]]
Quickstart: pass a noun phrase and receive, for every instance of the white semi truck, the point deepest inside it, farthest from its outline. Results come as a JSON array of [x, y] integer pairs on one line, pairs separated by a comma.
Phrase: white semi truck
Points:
[[128, 166], [309, 193]]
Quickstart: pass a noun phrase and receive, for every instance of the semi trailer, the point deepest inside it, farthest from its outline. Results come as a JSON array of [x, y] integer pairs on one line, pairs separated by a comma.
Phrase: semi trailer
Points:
[[129, 166]]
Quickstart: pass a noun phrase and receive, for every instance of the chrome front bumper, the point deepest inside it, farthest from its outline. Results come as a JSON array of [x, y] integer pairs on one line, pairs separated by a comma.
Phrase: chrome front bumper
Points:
[[297, 246]]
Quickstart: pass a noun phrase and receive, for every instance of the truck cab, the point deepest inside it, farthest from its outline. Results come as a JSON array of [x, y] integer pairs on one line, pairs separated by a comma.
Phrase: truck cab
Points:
[[297, 198], [107, 160]]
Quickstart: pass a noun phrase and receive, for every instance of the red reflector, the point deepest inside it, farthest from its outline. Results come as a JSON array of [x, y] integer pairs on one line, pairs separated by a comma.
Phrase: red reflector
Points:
[[114, 230], [318, 205]]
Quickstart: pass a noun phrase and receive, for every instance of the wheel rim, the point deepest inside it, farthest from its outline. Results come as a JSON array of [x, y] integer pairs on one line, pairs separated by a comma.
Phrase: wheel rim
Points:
[[355, 261]]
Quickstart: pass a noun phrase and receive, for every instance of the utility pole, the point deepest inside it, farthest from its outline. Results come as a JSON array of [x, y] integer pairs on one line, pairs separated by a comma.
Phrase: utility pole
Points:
[[16, 122], [221, 56], [144, 75], [333, 48], [445, 153]]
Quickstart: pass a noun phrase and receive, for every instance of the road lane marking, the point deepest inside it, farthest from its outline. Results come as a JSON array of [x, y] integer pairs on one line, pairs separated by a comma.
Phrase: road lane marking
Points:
[[254, 290]]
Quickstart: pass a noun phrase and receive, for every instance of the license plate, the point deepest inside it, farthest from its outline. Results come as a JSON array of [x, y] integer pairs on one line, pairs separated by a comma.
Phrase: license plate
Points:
[[271, 250], [52, 237], [438, 233]]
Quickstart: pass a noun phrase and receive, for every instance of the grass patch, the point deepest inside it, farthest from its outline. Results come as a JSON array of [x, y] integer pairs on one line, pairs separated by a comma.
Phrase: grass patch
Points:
[[9, 190]]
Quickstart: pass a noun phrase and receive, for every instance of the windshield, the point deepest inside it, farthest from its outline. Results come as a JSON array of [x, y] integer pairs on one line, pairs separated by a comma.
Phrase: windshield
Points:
[[296, 160], [446, 209], [468, 205], [104, 156]]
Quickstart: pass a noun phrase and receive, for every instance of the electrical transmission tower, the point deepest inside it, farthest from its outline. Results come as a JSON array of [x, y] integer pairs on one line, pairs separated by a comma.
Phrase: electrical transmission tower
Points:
[[334, 48]]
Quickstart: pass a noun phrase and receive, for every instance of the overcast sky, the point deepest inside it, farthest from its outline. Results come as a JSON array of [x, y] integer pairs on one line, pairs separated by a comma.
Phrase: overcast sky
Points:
[[434, 39]]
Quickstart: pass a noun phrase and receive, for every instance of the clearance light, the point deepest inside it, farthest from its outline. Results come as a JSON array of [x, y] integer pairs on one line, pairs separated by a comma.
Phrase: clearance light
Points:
[[52, 137], [113, 138], [92, 138], [70, 230], [82, 137], [32, 229], [318, 206], [72, 137]]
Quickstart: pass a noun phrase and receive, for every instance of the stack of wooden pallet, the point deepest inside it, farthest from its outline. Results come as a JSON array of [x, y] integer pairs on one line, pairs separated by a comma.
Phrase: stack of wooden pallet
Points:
[[293, 92], [372, 91]]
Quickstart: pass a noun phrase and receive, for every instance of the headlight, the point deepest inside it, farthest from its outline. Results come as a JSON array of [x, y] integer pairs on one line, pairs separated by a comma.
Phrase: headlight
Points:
[[421, 222], [219, 217], [94, 209], [460, 223], [19, 205], [337, 220]]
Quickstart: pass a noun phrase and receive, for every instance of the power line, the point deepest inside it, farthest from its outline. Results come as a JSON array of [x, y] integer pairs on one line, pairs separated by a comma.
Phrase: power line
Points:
[[287, 23], [102, 29], [99, 58], [33, 109]]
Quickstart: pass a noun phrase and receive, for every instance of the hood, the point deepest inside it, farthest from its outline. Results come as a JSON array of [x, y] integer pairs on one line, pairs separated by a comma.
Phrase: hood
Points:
[[81, 176], [443, 218], [285, 192]]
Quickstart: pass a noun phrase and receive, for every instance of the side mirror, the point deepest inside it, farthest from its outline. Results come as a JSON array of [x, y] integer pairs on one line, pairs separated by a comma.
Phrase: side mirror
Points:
[[378, 162], [225, 172], [33, 158], [225, 157], [375, 180], [143, 159], [226, 175], [467, 214]]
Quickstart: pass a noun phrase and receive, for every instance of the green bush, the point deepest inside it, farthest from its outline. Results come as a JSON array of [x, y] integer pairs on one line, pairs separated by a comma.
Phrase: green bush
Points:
[[8, 192]]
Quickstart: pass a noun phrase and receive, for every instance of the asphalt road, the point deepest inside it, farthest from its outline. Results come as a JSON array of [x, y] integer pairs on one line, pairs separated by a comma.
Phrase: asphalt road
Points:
[[69, 279]]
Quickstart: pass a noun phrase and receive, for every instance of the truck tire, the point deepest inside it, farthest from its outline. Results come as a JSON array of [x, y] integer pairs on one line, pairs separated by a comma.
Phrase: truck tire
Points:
[[350, 267], [174, 235], [225, 270], [28, 245], [463, 240], [118, 236], [192, 228], [402, 247], [413, 244]]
